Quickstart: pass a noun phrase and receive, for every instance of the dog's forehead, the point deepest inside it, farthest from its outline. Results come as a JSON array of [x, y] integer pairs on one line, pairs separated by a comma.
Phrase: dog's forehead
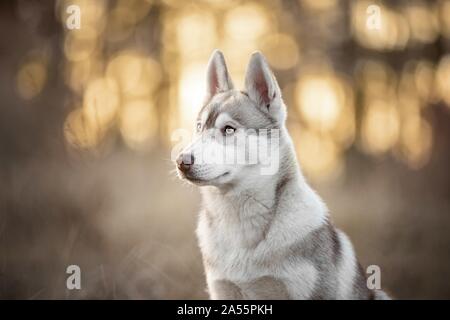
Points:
[[233, 105], [220, 103]]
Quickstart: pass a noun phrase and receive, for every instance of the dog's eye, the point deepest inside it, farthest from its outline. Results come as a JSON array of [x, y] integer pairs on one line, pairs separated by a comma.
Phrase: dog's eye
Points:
[[199, 126], [229, 130]]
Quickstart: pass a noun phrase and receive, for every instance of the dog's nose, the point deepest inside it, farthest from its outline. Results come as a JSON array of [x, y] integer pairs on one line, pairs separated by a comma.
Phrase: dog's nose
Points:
[[185, 161]]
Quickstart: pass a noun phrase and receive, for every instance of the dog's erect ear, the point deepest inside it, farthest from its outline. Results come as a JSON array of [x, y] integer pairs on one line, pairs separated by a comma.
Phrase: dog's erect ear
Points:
[[261, 85], [217, 77]]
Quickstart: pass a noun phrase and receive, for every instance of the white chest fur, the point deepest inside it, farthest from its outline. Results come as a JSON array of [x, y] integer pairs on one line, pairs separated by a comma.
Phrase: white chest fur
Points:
[[239, 239]]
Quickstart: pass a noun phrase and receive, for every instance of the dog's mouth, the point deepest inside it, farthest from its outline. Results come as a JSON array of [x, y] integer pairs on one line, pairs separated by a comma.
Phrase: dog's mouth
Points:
[[202, 181]]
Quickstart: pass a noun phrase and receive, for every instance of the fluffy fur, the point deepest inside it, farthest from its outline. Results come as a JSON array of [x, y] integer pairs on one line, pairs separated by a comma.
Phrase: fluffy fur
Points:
[[264, 236]]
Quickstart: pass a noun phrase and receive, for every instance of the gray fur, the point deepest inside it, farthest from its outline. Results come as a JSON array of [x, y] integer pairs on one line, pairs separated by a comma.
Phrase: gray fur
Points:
[[266, 237]]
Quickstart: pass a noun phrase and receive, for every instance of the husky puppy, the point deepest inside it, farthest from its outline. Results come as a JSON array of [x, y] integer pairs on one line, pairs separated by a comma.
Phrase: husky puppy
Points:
[[262, 236]]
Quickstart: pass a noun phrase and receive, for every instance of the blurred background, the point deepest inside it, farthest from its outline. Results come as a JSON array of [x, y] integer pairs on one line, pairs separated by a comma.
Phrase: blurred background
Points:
[[87, 115]]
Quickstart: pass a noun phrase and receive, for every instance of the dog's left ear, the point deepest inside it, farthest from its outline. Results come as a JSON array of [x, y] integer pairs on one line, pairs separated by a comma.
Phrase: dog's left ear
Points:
[[262, 87], [217, 77]]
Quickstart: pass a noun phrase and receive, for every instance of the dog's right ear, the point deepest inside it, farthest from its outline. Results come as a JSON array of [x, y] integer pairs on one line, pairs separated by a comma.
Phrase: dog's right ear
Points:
[[217, 77]]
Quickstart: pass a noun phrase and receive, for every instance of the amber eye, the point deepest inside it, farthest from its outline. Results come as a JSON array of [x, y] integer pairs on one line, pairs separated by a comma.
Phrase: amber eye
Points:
[[229, 130]]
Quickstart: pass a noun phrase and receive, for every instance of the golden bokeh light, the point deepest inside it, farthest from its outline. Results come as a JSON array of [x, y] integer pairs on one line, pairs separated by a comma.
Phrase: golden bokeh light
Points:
[[196, 25], [80, 45], [407, 90], [101, 101], [121, 24], [423, 23], [123, 88], [408, 105], [318, 154], [393, 32], [247, 23], [136, 74], [81, 132], [220, 3], [78, 74], [191, 92], [326, 104], [444, 11], [320, 99], [138, 124], [281, 51], [380, 127], [415, 142], [424, 80], [344, 131], [319, 4], [139, 8], [416, 82], [31, 79], [376, 79], [93, 12], [443, 79]]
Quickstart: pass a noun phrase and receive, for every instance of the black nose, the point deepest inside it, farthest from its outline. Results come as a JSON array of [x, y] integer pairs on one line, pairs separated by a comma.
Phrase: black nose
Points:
[[185, 161]]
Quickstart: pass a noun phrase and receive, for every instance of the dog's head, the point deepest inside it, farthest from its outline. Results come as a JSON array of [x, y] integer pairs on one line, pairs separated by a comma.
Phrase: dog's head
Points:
[[234, 127]]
